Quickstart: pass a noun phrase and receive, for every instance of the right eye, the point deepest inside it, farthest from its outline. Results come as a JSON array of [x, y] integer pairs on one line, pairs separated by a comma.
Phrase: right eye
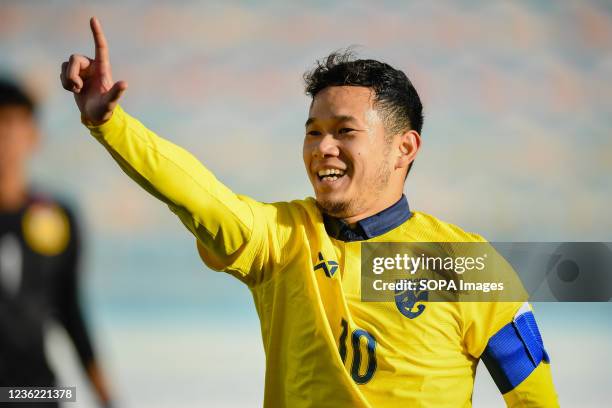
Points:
[[313, 133]]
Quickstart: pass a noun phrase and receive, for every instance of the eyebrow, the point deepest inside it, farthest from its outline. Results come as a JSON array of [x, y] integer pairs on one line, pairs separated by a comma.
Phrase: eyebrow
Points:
[[339, 118]]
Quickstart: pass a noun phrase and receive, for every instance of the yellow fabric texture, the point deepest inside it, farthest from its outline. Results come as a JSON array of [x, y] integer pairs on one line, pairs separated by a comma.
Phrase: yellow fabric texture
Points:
[[429, 361], [535, 391]]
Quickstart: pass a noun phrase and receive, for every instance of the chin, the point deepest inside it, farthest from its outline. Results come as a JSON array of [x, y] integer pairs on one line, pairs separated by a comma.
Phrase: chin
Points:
[[335, 208]]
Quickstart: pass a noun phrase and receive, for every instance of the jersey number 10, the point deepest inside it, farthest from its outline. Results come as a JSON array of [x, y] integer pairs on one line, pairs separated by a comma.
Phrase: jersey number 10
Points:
[[357, 353]]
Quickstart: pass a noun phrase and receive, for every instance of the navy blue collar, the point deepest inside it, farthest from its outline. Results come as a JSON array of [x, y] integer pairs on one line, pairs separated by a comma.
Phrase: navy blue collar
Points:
[[369, 227]]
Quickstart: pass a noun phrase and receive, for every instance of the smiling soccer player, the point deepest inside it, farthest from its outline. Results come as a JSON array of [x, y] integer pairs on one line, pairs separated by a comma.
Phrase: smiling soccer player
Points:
[[301, 259]]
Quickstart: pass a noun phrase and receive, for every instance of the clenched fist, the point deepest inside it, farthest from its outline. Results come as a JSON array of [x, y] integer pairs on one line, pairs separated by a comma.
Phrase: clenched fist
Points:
[[91, 80]]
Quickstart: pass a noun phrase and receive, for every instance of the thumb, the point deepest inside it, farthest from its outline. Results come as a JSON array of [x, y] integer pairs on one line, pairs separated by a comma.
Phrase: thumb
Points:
[[114, 94]]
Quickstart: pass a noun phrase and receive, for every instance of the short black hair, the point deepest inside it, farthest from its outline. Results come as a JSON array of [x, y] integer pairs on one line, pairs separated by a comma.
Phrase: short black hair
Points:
[[12, 94], [395, 95]]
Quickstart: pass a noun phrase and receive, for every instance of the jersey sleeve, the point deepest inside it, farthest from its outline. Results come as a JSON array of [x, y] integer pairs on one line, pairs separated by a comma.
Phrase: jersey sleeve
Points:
[[519, 364], [503, 333], [537, 390], [229, 228], [481, 320], [485, 313]]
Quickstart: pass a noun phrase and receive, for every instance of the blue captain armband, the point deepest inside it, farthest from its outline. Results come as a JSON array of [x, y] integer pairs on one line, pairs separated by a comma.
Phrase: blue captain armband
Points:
[[515, 351]]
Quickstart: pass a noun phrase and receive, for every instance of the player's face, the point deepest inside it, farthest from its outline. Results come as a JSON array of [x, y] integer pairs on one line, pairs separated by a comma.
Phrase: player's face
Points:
[[17, 138], [345, 152]]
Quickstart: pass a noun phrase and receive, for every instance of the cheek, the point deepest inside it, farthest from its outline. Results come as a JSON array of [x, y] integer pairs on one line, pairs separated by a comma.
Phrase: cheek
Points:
[[360, 157], [17, 141], [306, 154], [368, 165], [9, 145], [23, 145]]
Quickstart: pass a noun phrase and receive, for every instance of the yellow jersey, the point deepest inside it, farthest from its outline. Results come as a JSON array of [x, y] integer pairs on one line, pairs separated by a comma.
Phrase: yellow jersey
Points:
[[324, 346]]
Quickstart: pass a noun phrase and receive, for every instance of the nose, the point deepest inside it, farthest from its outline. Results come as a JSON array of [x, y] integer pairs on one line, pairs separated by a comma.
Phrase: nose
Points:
[[326, 147]]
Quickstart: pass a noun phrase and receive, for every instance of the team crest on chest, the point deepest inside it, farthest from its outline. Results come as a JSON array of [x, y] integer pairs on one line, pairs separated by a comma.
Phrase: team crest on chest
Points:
[[329, 267], [411, 303]]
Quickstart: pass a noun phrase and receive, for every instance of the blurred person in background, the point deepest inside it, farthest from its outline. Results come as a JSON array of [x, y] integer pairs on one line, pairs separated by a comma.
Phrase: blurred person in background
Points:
[[39, 259]]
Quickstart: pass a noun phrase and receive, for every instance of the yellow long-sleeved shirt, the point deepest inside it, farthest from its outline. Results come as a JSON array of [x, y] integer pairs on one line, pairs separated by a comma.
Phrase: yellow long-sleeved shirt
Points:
[[324, 346]]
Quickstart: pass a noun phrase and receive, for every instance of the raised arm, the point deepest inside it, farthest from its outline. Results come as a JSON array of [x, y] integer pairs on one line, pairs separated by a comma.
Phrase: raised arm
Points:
[[224, 224]]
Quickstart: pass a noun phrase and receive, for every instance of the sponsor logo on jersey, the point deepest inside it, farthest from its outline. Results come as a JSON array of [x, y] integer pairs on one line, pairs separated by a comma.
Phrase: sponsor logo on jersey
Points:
[[329, 267]]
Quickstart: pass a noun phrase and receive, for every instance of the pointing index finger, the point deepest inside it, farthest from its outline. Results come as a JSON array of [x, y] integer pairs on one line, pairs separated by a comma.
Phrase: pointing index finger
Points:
[[99, 40]]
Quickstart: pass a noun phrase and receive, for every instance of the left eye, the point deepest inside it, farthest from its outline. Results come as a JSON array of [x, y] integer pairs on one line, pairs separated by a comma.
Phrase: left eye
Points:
[[345, 130]]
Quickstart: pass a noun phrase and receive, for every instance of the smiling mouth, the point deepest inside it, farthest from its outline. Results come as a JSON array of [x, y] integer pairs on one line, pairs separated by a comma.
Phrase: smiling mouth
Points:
[[330, 175]]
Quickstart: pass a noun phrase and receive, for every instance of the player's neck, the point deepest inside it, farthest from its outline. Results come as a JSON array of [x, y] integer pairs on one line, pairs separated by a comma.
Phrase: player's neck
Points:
[[379, 205], [13, 191]]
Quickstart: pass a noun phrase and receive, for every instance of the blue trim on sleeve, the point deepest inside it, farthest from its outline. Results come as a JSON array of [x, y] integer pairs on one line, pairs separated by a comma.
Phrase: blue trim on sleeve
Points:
[[514, 352]]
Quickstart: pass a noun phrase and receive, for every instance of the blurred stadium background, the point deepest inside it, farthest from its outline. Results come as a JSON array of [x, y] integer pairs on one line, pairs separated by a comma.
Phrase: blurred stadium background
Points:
[[516, 146]]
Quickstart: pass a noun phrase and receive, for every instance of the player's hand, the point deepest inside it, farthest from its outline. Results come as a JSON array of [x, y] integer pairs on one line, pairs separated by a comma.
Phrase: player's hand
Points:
[[91, 80]]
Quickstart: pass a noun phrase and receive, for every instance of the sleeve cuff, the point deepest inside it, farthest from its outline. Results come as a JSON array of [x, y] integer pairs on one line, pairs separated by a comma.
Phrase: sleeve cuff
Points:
[[117, 117]]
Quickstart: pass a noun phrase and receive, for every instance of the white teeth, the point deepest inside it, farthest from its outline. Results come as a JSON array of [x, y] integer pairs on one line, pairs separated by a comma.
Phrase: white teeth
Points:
[[330, 178], [327, 172]]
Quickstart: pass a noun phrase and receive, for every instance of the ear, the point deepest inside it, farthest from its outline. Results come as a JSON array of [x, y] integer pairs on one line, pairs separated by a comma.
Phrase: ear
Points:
[[407, 149]]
